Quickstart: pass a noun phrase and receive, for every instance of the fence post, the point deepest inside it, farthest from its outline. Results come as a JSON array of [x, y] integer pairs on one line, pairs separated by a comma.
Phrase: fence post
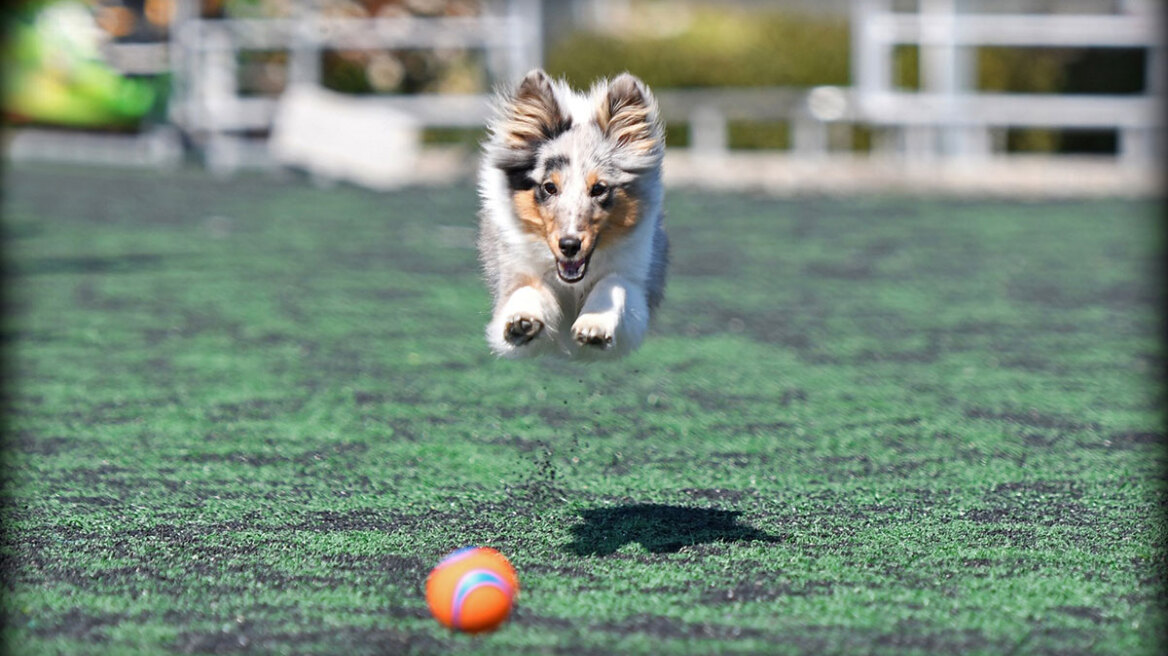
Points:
[[809, 136], [304, 50], [871, 59], [707, 131], [525, 47]]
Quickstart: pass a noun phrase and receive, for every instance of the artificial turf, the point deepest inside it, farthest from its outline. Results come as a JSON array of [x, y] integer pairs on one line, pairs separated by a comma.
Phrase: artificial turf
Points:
[[250, 415]]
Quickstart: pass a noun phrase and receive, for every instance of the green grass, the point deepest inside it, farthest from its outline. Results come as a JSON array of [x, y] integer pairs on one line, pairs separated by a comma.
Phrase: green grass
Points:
[[249, 416]]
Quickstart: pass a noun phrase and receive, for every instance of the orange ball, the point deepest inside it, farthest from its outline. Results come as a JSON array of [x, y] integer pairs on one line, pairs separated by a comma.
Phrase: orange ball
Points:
[[472, 589]]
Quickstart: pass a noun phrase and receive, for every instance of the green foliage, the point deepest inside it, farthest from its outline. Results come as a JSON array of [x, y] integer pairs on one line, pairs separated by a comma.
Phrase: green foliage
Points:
[[719, 47], [1021, 70], [759, 134], [469, 138], [344, 75]]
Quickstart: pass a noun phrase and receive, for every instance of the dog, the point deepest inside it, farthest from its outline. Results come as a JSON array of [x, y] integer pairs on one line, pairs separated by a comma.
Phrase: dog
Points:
[[571, 228]]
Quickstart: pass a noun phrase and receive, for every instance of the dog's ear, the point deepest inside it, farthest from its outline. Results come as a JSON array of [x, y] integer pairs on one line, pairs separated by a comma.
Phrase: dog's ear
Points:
[[628, 114], [532, 114]]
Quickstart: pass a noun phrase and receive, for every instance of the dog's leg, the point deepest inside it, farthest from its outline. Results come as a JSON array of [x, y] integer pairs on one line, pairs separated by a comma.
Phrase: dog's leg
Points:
[[527, 313], [614, 318]]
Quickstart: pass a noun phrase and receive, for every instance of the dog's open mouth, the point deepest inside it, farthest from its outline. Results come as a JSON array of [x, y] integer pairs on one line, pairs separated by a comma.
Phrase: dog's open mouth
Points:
[[572, 270]]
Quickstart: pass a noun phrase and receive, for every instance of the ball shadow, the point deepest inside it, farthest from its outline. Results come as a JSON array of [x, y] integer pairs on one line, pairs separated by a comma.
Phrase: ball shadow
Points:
[[658, 528]]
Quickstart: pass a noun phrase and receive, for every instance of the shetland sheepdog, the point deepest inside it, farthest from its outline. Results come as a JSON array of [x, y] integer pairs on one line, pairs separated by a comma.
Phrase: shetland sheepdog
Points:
[[571, 233]]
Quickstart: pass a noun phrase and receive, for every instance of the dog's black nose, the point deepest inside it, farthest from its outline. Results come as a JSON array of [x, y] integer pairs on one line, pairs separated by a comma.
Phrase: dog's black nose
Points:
[[569, 246]]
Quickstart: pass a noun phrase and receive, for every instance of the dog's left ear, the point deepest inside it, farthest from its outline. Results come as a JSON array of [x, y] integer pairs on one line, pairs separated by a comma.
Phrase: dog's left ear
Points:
[[628, 114]]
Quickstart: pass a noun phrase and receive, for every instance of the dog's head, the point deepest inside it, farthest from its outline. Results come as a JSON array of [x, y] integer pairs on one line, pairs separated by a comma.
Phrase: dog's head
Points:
[[573, 162]]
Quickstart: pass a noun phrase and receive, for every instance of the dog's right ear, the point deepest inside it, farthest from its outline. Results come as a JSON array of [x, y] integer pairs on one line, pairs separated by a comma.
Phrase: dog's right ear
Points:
[[532, 114]]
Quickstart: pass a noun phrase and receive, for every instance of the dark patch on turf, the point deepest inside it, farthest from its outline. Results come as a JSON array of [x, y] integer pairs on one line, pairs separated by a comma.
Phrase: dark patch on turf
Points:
[[756, 428], [865, 466], [250, 459], [1091, 613], [518, 443], [792, 395], [1013, 536], [525, 616], [76, 624], [854, 270], [574, 571], [881, 423], [90, 264], [409, 257], [330, 452], [392, 294], [769, 326], [1058, 295], [270, 637], [370, 398], [1127, 441], [919, 636], [928, 354], [255, 409], [671, 628], [1039, 503], [84, 500], [658, 529], [717, 460], [715, 494], [765, 592], [352, 520], [12, 230], [191, 323], [710, 399], [389, 565], [695, 254], [28, 442], [1032, 418], [562, 417], [739, 458], [779, 327], [1039, 440]]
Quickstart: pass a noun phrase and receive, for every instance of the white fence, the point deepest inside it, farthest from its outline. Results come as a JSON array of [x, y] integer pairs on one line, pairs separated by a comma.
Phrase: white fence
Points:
[[949, 118], [207, 105]]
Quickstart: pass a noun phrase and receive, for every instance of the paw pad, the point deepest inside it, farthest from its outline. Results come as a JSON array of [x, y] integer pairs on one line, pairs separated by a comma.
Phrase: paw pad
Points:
[[594, 337], [521, 330]]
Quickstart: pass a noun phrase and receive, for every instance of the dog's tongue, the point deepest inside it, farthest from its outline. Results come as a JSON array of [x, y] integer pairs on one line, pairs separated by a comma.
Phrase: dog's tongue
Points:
[[571, 271]]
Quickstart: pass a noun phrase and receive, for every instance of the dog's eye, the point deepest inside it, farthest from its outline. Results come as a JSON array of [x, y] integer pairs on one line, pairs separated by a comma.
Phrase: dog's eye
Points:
[[550, 188], [598, 189]]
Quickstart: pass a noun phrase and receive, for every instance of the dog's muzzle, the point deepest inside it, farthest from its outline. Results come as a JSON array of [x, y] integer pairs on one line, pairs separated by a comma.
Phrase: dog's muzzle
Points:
[[571, 271]]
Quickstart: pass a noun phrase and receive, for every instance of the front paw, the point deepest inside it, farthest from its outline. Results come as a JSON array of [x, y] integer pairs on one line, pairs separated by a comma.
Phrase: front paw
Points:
[[594, 330], [521, 329]]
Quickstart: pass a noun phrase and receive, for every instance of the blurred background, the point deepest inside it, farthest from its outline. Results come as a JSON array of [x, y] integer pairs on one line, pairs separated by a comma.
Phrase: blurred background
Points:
[[982, 96]]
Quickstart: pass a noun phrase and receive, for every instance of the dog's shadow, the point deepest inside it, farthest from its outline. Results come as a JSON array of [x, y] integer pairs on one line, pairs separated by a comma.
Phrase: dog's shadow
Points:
[[658, 528]]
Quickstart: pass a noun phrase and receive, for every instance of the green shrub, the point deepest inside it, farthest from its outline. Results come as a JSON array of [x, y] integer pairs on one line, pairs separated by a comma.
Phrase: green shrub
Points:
[[719, 47], [759, 135]]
